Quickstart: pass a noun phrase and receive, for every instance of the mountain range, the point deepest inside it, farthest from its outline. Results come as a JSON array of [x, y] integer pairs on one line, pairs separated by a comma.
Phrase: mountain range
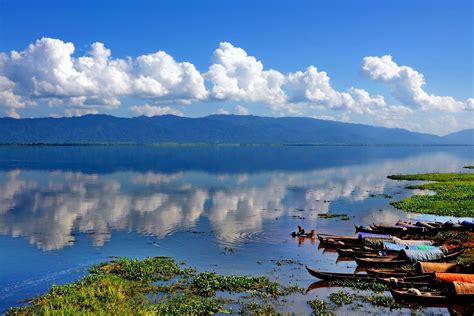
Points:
[[213, 129]]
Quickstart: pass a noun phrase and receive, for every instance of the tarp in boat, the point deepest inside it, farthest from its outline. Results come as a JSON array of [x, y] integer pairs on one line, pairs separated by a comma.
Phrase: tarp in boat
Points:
[[463, 288], [429, 267], [376, 241], [393, 246], [451, 277], [364, 235], [423, 255], [468, 224], [412, 242]]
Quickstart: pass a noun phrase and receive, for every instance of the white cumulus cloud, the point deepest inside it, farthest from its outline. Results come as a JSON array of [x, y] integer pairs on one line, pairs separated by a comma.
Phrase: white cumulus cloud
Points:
[[47, 70], [242, 110], [150, 110], [406, 85]]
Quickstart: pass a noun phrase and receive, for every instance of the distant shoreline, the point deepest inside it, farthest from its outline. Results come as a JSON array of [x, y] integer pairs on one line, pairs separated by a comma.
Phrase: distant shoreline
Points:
[[221, 145]]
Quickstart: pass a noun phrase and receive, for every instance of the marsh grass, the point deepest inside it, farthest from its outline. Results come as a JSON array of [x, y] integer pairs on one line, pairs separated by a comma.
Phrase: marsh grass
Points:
[[454, 194], [320, 307], [152, 286], [341, 216]]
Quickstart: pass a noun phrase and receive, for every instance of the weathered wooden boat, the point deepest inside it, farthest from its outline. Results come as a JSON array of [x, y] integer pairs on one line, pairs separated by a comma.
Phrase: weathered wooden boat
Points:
[[328, 276], [395, 261], [323, 237], [389, 273], [363, 252], [459, 292], [404, 230], [397, 283]]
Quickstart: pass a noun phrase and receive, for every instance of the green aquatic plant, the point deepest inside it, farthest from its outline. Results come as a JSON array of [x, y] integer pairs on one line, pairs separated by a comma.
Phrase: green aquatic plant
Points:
[[454, 194], [254, 308], [341, 216], [341, 298], [382, 300], [320, 307], [208, 283], [149, 269], [152, 286]]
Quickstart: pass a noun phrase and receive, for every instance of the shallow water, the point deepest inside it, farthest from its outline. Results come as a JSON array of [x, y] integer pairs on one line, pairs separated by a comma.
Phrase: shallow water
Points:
[[227, 209]]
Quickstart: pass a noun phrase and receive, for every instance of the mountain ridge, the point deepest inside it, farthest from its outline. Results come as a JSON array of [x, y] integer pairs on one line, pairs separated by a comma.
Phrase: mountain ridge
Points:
[[213, 129]]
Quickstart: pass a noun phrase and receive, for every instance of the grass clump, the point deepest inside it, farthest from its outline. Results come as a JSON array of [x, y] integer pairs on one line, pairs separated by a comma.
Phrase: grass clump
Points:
[[454, 194], [137, 287], [208, 283], [382, 300], [254, 308], [320, 307], [146, 270], [341, 298], [341, 216], [188, 305]]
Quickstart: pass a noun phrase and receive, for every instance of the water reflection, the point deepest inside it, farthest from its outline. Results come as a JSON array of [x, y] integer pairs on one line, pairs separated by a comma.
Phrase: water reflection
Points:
[[49, 207]]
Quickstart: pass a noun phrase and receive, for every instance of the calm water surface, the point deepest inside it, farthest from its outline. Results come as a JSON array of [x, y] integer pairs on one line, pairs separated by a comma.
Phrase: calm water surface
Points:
[[224, 209]]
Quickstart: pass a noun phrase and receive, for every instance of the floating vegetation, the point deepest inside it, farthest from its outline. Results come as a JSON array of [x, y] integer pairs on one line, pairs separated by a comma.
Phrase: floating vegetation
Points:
[[382, 300], [254, 308], [153, 286], [383, 195], [208, 283], [320, 307], [360, 284], [280, 262], [469, 167], [341, 216], [454, 194], [228, 251], [341, 298]]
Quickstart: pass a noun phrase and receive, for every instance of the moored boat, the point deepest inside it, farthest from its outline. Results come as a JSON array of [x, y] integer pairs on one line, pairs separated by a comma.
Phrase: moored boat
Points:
[[459, 292], [395, 261]]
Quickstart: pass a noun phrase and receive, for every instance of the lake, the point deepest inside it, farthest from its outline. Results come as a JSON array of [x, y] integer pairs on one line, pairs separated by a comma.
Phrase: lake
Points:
[[225, 209]]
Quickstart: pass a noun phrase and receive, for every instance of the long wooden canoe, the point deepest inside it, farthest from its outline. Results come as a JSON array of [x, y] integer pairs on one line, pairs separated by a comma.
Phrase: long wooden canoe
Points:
[[391, 261]]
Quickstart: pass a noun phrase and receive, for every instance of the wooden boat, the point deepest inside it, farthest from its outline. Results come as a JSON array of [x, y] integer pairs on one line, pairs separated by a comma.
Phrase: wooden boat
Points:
[[395, 261], [459, 292], [323, 237], [362, 252], [328, 276], [395, 283], [338, 276], [340, 244], [389, 273], [403, 230]]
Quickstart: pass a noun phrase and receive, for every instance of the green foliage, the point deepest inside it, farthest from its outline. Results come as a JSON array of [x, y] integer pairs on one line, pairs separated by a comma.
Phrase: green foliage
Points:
[[127, 287], [147, 270], [341, 298], [94, 294], [343, 217], [320, 308], [454, 194], [469, 167], [188, 305], [382, 300], [208, 283], [254, 308]]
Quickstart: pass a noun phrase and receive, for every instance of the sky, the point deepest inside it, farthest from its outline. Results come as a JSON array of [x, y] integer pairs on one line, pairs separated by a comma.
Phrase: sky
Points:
[[406, 64]]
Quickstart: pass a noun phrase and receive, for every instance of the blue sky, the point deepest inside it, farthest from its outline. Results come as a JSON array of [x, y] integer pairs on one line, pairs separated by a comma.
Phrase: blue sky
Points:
[[431, 38]]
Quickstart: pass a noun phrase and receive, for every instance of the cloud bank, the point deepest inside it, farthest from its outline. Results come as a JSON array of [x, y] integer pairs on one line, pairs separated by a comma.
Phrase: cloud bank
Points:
[[47, 73]]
